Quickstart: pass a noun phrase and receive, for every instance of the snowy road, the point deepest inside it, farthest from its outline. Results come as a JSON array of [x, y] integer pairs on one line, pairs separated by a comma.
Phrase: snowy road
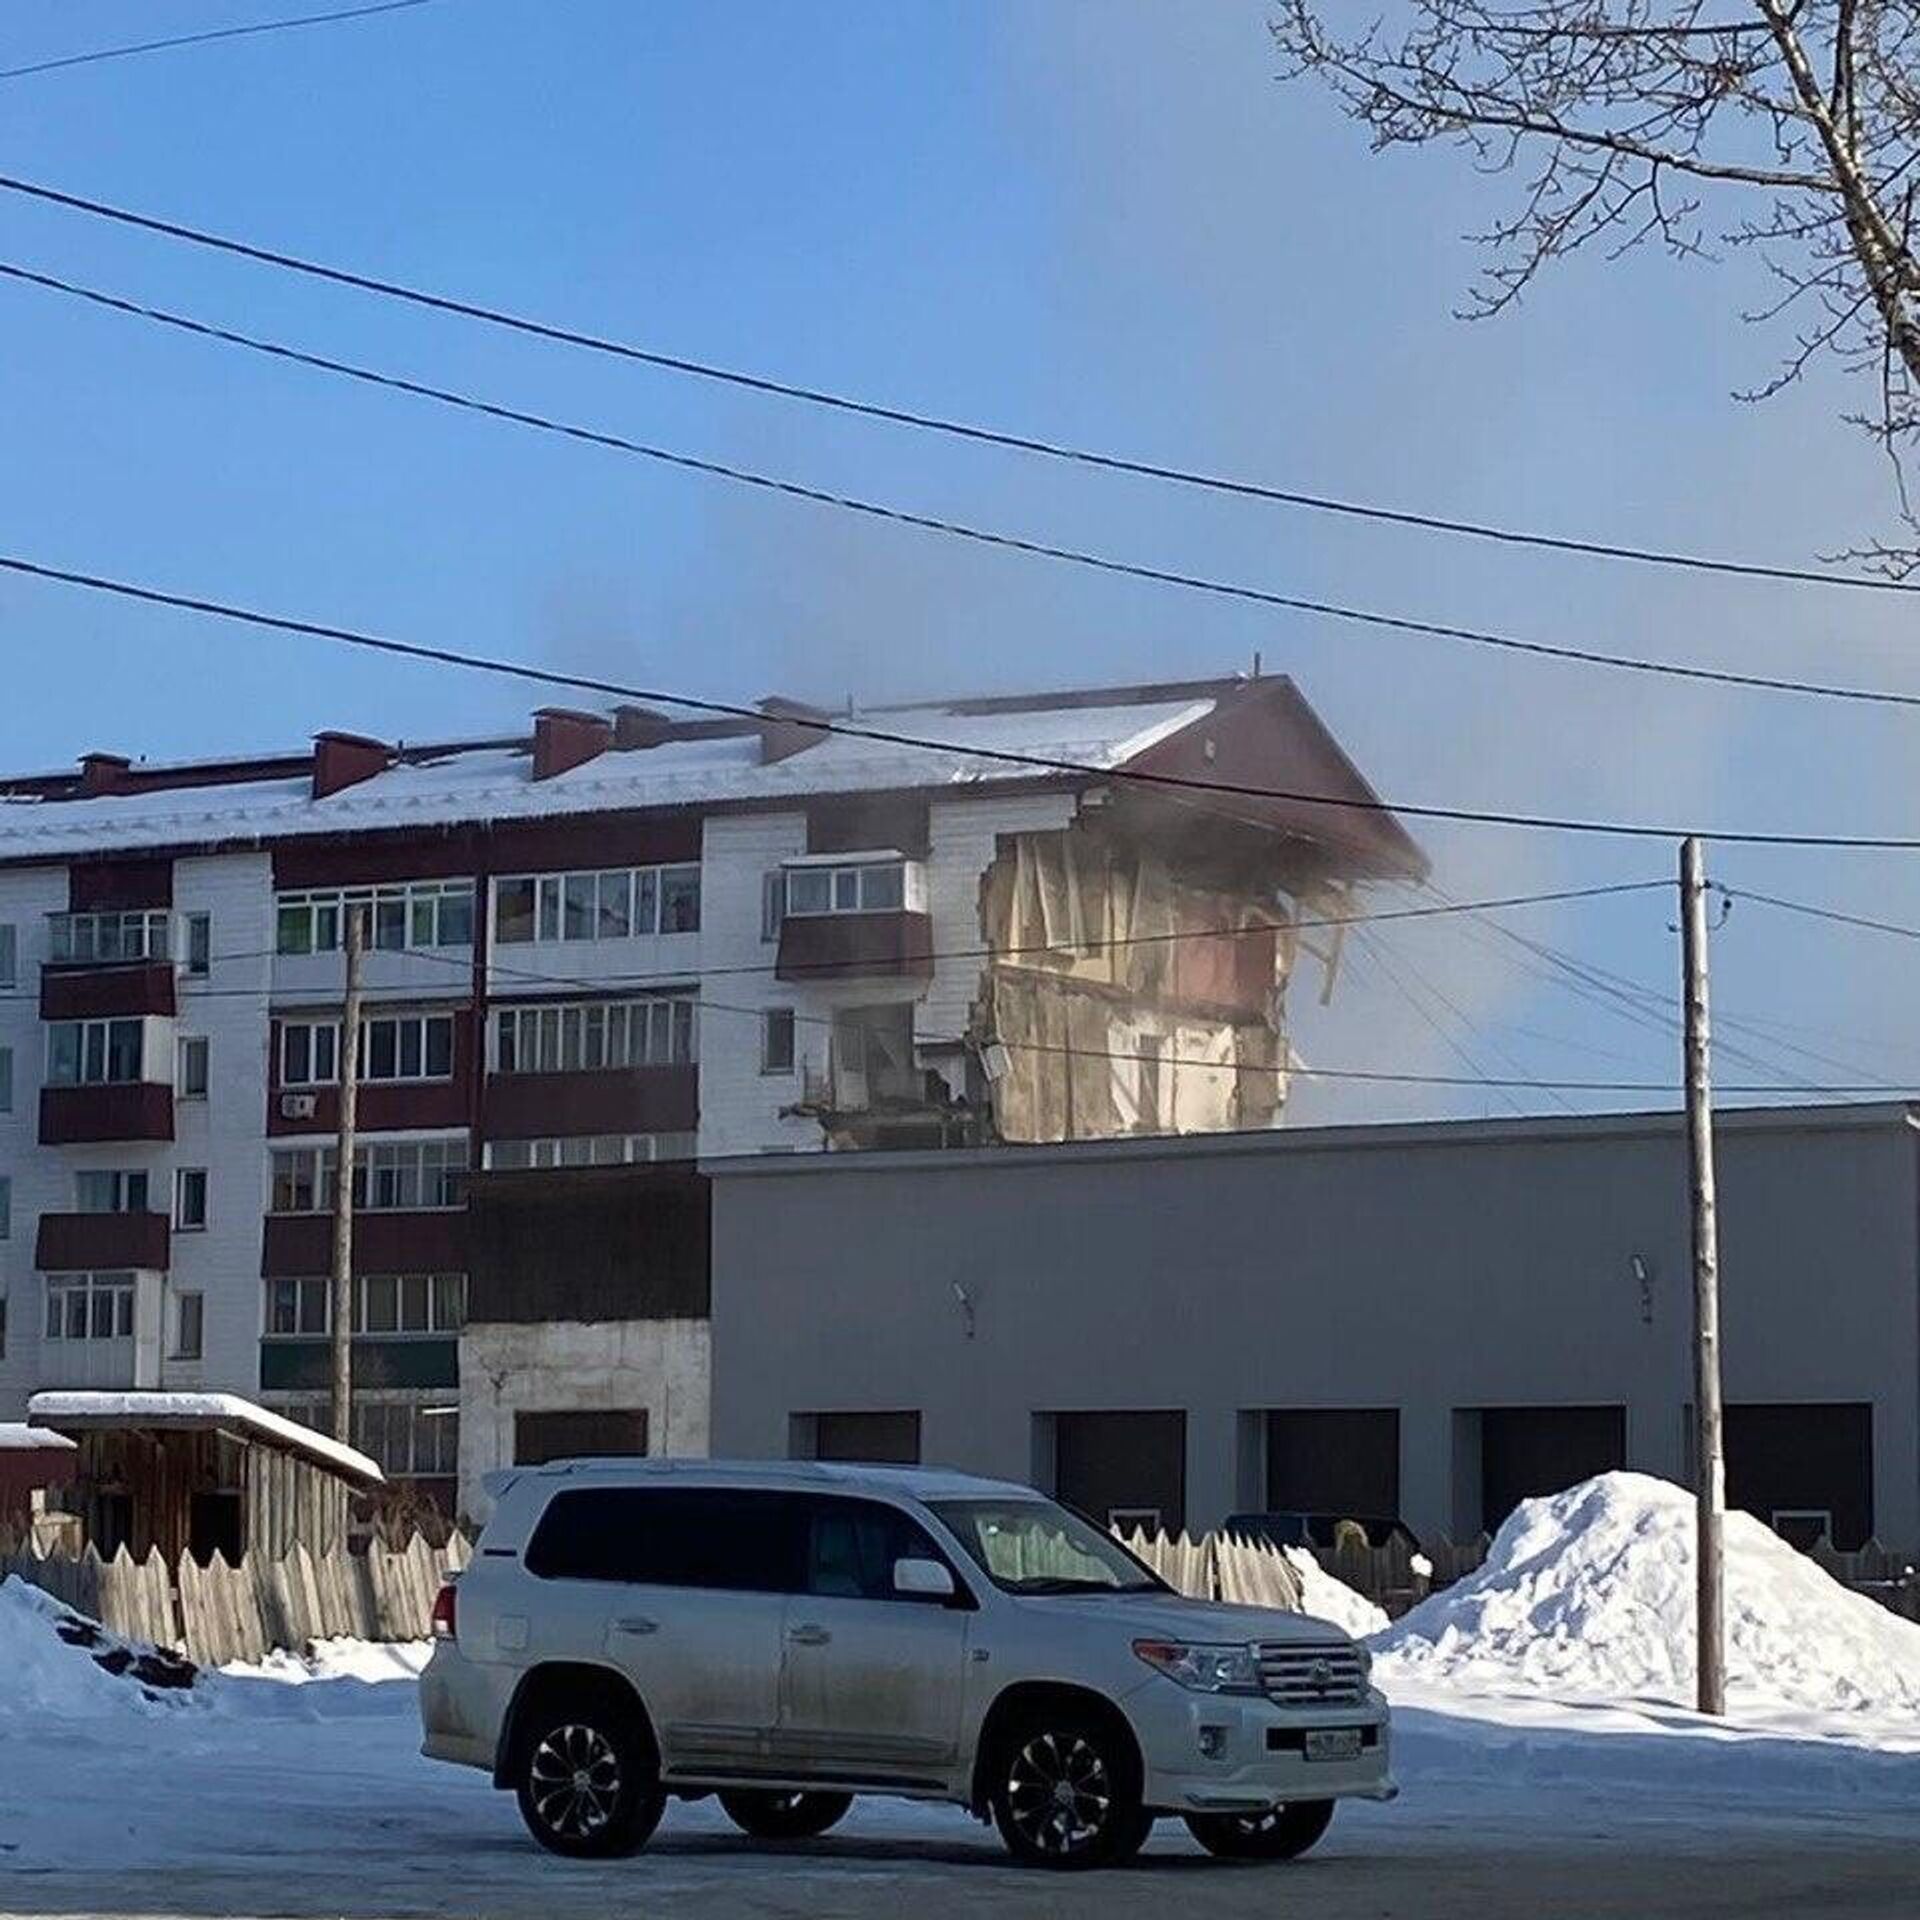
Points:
[[309, 1800]]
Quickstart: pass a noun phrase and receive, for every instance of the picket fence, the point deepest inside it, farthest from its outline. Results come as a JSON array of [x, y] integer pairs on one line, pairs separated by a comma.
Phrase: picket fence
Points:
[[216, 1613], [1214, 1567]]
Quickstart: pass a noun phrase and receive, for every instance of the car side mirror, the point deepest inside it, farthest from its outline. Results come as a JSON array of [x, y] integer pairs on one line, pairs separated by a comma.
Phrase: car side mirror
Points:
[[922, 1580]]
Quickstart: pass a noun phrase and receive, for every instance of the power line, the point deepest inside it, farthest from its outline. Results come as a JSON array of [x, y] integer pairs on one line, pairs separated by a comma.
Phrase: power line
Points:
[[201, 39], [771, 968], [971, 431], [1825, 913], [1006, 756], [1080, 557]]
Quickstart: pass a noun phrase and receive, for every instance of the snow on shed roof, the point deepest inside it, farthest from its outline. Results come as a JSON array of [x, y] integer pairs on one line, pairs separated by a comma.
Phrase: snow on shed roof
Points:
[[17, 1437], [494, 783], [190, 1410]]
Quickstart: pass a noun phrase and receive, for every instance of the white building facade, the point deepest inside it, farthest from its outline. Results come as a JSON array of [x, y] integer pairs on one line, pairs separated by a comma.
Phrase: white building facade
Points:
[[623, 939]]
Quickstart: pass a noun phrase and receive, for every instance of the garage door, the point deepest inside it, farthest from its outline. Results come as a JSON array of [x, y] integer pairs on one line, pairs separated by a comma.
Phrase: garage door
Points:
[[1343, 1460], [1529, 1451], [1805, 1469], [1126, 1469]]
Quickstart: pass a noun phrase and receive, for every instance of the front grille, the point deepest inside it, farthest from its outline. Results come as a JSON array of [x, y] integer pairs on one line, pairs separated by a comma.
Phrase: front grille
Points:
[[1310, 1676]]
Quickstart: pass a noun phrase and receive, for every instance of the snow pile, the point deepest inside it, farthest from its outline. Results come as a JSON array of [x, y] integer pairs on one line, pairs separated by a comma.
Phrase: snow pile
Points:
[[55, 1664], [362, 1660], [1326, 1598], [1591, 1593]]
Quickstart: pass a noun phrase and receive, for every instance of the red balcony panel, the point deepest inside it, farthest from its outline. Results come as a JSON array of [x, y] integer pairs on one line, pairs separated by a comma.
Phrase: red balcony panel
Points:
[[856, 946], [80, 1242], [384, 1107], [536, 1106], [118, 885], [85, 991], [401, 1242], [139, 1111]]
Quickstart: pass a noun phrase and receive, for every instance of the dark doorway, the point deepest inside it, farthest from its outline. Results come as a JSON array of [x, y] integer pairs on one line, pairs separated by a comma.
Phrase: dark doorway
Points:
[[1339, 1460], [879, 1439], [1805, 1470], [1529, 1451], [578, 1433], [1125, 1469], [213, 1526]]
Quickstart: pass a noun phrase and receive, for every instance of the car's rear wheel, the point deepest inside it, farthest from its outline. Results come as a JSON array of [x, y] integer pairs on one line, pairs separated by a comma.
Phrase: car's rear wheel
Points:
[[1281, 1833], [588, 1782], [769, 1815], [1065, 1793]]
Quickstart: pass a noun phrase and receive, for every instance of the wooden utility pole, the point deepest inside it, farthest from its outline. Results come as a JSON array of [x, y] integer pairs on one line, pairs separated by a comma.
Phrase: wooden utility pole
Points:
[[347, 1064], [1710, 1474]]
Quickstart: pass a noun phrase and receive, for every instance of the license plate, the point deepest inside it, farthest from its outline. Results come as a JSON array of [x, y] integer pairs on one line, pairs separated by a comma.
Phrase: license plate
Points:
[[1333, 1743]]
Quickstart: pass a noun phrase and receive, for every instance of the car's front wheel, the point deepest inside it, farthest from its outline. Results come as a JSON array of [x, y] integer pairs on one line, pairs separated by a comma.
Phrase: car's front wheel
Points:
[[1281, 1833], [769, 1815], [588, 1783], [1065, 1793]]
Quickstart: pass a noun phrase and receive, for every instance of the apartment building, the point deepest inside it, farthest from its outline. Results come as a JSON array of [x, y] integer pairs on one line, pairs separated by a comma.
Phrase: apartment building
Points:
[[623, 938]]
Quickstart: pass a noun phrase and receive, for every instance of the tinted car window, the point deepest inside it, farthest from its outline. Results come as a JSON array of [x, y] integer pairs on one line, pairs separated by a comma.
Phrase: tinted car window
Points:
[[736, 1540], [853, 1544]]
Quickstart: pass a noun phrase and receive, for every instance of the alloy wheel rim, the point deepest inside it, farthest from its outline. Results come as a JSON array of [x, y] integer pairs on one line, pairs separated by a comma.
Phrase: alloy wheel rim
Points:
[[1059, 1793], [574, 1781]]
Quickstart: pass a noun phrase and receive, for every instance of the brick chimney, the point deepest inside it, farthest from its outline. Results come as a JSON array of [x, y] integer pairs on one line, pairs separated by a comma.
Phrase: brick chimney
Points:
[[640, 727], [789, 727], [345, 759], [104, 773], [563, 738]]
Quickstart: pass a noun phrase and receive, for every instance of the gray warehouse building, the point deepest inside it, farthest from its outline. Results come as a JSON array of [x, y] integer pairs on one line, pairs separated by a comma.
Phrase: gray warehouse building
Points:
[[1430, 1321]]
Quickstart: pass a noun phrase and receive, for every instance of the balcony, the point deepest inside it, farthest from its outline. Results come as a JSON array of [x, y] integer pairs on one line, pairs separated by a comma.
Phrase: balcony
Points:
[[100, 989], [402, 1241], [128, 1110], [528, 1106], [856, 946], [81, 1242]]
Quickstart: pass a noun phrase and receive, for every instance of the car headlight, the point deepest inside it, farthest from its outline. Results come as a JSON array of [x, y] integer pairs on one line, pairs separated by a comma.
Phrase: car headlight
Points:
[[1206, 1669]]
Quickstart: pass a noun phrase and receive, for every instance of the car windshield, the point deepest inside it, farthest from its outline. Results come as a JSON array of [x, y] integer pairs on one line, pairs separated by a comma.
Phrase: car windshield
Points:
[[1034, 1546]]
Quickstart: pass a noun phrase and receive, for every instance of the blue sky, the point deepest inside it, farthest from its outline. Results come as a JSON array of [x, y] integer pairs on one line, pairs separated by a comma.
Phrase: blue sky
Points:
[[1098, 222]]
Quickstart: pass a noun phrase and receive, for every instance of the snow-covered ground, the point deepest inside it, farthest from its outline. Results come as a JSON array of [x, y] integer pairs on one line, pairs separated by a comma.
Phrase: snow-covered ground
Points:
[[1540, 1735]]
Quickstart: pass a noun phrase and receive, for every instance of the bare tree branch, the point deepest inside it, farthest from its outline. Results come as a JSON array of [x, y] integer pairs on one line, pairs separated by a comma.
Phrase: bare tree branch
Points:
[[1813, 106]]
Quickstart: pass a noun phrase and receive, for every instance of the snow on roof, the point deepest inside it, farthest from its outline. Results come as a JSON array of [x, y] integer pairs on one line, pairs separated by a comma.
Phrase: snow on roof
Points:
[[228, 1410], [17, 1437], [485, 784]]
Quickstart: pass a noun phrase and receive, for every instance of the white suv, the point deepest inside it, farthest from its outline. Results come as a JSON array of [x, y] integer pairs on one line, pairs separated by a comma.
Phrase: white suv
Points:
[[789, 1636]]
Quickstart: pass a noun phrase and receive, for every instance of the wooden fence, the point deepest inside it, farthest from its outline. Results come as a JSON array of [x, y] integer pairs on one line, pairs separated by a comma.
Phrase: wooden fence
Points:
[[218, 1612], [1214, 1567]]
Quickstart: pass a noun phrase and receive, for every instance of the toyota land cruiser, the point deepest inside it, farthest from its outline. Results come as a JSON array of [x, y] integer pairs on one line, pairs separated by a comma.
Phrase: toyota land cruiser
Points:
[[787, 1636]]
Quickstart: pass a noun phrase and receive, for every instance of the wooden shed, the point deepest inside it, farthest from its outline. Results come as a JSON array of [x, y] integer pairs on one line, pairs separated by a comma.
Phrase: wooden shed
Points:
[[200, 1473]]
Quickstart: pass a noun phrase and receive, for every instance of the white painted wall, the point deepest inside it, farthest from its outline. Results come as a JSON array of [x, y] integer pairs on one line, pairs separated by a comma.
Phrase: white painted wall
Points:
[[663, 1366]]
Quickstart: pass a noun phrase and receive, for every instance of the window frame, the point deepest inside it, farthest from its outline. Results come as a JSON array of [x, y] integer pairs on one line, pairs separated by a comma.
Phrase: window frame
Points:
[[557, 1036], [189, 1309], [570, 907], [115, 1286], [844, 887], [391, 906], [188, 1181], [110, 1031], [386, 1032], [151, 928], [187, 1084], [770, 1061]]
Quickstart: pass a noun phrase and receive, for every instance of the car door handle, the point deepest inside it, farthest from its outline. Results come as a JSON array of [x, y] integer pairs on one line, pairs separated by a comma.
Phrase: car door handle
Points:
[[809, 1636], [636, 1623]]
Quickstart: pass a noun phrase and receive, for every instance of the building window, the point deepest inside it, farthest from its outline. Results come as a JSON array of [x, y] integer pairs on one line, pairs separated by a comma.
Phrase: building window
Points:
[[6, 1206], [190, 1199], [407, 1436], [776, 1040], [81, 938], [9, 956], [6, 1079], [89, 1306], [421, 913], [878, 887], [589, 1150], [93, 1053], [621, 903], [589, 1037], [393, 1046], [388, 1176], [383, 1304], [773, 904], [110, 1190], [189, 1325], [199, 944], [191, 1081]]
